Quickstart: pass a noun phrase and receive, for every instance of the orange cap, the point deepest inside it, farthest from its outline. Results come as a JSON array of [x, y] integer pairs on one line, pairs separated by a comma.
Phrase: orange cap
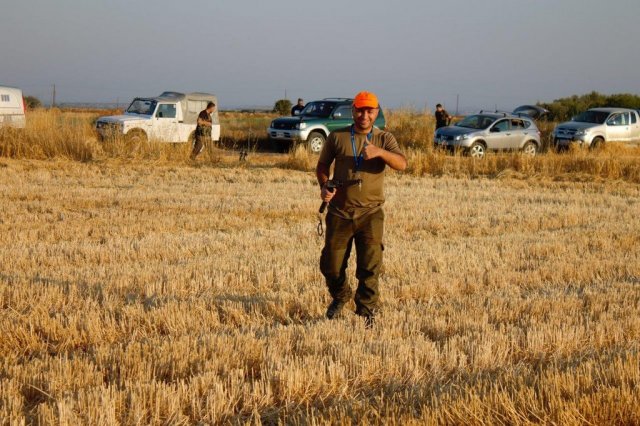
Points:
[[366, 100]]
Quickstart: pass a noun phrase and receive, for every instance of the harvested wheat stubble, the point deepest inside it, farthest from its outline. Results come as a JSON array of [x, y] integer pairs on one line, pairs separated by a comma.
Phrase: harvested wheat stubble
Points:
[[169, 294]]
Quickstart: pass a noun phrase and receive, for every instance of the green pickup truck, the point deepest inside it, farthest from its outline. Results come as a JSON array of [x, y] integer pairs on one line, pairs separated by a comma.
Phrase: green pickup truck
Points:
[[314, 123]]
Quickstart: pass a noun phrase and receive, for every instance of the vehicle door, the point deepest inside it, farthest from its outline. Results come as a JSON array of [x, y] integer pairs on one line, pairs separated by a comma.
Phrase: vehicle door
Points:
[[618, 127], [634, 126], [518, 134], [499, 134], [340, 117], [165, 123]]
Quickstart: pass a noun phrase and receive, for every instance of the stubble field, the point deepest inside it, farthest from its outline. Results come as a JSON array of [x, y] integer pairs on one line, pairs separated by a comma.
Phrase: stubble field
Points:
[[168, 293]]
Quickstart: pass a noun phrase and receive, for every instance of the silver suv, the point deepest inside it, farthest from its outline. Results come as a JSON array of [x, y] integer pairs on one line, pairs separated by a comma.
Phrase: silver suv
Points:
[[476, 134]]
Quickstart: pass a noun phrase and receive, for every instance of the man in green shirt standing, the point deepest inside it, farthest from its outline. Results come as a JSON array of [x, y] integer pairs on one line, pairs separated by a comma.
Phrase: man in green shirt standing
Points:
[[203, 130], [360, 153]]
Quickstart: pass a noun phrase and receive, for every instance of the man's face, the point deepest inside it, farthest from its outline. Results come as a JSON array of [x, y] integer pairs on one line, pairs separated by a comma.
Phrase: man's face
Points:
[[365, 117], [439, 108], [211, 109]]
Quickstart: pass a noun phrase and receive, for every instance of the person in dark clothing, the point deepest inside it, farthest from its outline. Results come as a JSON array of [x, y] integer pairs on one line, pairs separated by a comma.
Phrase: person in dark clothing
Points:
[[203, 129], [442, 117], [297, 108]]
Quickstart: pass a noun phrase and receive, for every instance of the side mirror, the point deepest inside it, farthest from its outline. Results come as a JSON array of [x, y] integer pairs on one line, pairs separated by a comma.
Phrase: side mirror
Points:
[[337, 115], [296, 112]]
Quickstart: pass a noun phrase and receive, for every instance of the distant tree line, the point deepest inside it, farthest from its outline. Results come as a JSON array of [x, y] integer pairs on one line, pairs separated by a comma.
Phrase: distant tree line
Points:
[[565, 108]]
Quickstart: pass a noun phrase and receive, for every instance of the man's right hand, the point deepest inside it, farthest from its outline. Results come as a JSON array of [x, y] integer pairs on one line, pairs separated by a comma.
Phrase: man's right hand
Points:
[[327, 194]]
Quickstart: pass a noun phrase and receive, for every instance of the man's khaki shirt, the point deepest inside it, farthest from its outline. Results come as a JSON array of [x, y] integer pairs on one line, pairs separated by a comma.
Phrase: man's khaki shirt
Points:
[[353, 199]]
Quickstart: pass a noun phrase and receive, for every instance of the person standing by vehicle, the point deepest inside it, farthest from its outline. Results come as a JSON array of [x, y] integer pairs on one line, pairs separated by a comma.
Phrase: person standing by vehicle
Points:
[[442, 117], [297, 108], [203, 129], [360, 154]]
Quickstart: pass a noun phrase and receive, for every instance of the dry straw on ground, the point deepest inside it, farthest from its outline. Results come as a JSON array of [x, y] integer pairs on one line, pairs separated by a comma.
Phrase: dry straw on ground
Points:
[[162, 293]]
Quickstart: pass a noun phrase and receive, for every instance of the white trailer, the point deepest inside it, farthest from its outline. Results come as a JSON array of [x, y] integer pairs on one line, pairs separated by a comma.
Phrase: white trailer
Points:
[[12, 108]]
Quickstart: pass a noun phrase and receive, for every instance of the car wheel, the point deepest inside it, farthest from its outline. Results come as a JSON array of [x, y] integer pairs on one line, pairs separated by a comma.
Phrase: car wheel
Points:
[[477, 150], [136, 136], [530, 148], [596, 142], [315, 142]]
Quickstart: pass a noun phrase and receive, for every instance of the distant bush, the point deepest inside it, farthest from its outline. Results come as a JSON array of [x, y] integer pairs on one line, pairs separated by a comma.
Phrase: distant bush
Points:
[[32, 102], [283, 107], [565, 108]]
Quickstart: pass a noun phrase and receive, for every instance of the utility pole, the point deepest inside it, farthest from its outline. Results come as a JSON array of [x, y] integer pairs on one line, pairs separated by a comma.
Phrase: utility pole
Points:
[[53, 97], [285, 93], [457, 101]]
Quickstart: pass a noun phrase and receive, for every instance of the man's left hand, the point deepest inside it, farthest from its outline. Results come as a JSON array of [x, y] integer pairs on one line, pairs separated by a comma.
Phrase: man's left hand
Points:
[[371, 151]]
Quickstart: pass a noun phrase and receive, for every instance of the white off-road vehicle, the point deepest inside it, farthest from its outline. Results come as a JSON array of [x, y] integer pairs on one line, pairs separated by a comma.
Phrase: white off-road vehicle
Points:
[[170, 117]]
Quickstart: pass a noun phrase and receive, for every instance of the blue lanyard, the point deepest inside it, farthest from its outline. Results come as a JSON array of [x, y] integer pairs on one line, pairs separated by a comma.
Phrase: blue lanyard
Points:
[[358, 158]]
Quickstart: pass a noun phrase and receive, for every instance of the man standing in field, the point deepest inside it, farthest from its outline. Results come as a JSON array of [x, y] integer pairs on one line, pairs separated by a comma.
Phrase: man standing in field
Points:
[[442, 117], [360, 152], [203, 129]]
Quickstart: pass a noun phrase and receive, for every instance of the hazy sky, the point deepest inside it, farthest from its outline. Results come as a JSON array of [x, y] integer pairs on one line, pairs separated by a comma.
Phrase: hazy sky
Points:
[[412, 53]]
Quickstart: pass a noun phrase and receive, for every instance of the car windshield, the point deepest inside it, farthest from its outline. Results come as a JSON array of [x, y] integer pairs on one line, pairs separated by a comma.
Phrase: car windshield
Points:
[[597, 117], [142, 106], [476, 122], [318, 109]]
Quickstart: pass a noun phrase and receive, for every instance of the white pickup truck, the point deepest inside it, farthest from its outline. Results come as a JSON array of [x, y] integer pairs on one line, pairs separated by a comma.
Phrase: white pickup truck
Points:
[[596, 126], [170, 117]]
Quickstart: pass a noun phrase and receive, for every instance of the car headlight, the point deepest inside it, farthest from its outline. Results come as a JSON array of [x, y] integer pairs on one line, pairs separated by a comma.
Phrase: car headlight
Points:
[[462, 137], [582, 132], [301, 126]]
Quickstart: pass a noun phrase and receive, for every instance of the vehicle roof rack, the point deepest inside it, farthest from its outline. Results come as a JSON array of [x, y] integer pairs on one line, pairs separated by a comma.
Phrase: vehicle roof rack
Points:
[[337, 99]]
